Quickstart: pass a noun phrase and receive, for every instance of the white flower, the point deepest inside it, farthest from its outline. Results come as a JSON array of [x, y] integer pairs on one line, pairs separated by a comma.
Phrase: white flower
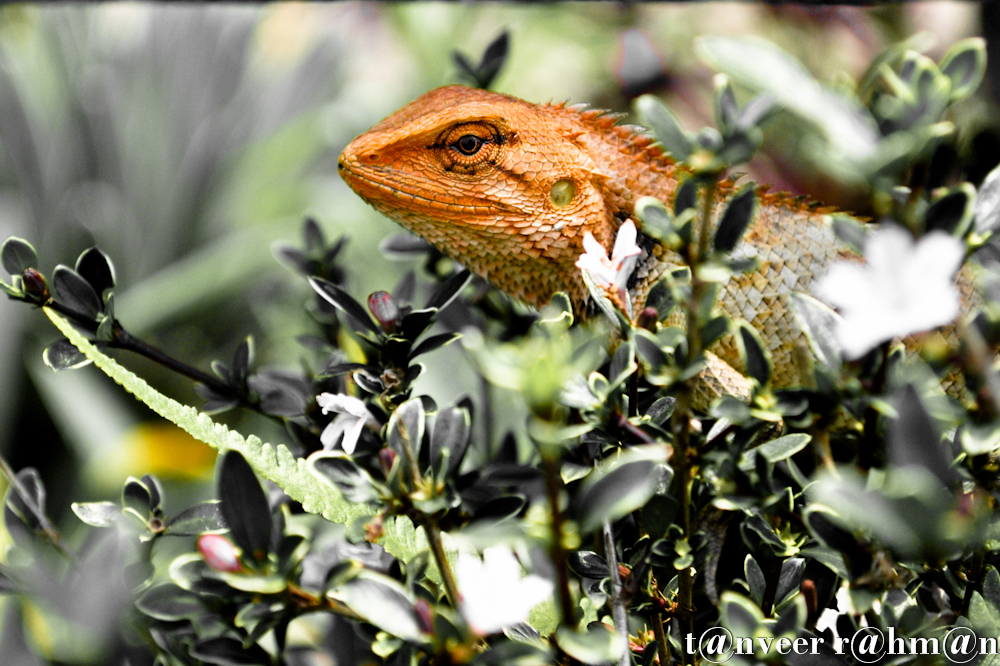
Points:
[[352, 415], [906, 286], [613, 272], [494, 595]]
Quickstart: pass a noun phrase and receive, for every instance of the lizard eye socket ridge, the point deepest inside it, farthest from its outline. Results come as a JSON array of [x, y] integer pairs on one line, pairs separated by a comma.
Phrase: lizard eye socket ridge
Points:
[[470, 144]]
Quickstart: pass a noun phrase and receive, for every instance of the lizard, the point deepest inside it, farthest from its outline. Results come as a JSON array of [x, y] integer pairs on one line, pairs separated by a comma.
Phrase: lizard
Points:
[[509, 188]]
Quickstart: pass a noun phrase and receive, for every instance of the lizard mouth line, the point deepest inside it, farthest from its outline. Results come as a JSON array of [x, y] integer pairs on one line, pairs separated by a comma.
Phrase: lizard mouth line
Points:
[[363, 182]]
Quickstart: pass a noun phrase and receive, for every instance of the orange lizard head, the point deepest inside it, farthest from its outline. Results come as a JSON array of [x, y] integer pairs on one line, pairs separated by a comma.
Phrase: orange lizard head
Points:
[[503, 186]]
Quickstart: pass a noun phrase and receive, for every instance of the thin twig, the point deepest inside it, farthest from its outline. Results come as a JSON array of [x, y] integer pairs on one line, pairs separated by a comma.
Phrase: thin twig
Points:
[[556, 550], [619, 605]]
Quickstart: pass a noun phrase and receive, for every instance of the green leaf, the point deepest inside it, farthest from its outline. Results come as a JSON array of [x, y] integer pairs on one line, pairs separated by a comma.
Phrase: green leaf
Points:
[[965, 65], [514, 653], [244, 506], [337, 469], [755, 579], [726, 110], [666, 127], [406, 428], [739, 614], [756, 360], [452, 431], [136, 498], [952, 213], [988, 203], [713, 330], [984, 611], [818, 323], [62, 355], [95, 267], [170, 603], [914, 439], [736, 220], [198, 519], [615, 489], [17, 255], [447, 292], [434, 342], [344, 302], [597, 645], [75, 292], [98, 514], [762, 66], [230, 652], [775, 450], [383, 602], [655, 220]]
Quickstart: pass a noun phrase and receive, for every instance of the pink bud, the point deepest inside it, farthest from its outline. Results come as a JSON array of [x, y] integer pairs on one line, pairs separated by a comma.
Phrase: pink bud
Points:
[[384, 309], [219, 553], [386, 457], [424, 616]]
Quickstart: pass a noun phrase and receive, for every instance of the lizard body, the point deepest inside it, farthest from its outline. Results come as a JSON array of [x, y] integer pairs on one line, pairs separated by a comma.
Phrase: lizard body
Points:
[[508, 189]]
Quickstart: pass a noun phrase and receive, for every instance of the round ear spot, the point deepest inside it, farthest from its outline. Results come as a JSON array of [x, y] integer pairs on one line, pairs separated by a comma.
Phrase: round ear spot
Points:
[[562, 193]]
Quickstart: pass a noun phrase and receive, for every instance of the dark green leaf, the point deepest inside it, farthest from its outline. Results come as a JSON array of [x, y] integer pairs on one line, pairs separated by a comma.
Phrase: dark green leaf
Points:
[[244, 506], [63, 355], [136, 498], [952, 213], [75, 292], [588, 563], [449, 290], [291, 256], [755, 357], [755, 579], [726, 110], [98, 514], [648, 349], [434, 342], [662, 298], [242, 359], [658, 514], [200, 518], [230, 652], [661, 410], [614, 491], [666, 127], [354, 483], [452, 430], [489, 66], [790, 578], [384, 602], [988, 203], [169, 602], [514, 653], [597, 645], [95, 267], [344, 302], [756, 111], [818, 323], [404, 246], [312, 234], [775, 450], [17, 255], [416, 323], [713, 330], [965, 65], [914, 439], [686, 197], [737, 218], [656, 221]]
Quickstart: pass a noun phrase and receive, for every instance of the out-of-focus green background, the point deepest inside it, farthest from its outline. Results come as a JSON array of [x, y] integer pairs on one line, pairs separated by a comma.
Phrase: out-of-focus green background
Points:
[[183, 141]]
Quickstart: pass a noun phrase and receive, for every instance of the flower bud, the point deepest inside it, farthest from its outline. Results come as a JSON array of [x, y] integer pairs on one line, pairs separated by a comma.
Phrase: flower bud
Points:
[[384, 309], [386, 458], [219, 553], [34, 285], [424, 617], [647, 319]]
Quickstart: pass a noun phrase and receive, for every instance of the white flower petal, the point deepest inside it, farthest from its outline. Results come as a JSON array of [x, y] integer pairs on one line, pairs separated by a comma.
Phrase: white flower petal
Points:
[[592, 247], [906, 286], [344, 404], [625, 242], [494, 595], [351, 436], [332, 432]]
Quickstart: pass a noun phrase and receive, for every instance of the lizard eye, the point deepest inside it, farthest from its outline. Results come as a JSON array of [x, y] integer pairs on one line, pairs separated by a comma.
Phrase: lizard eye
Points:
[[469, 144]]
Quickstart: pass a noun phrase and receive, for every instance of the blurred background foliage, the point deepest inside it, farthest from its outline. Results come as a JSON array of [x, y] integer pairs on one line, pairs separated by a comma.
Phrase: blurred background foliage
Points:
[[184, 141]]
